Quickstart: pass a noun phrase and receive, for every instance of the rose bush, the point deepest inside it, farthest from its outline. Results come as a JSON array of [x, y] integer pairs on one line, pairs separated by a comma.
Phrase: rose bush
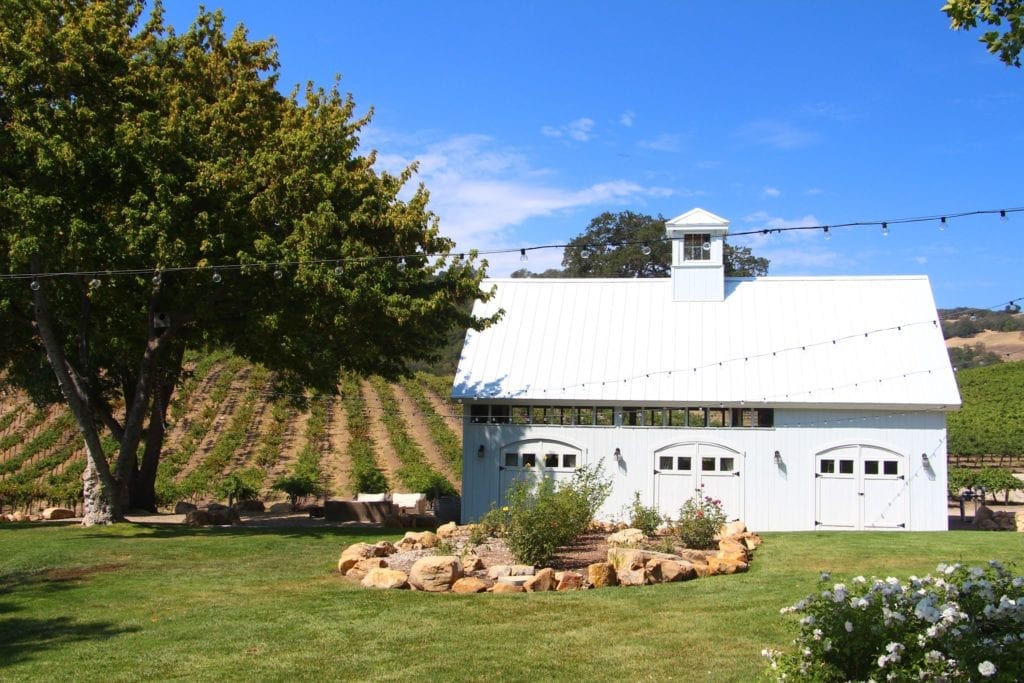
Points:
[[962, 624], [700, 518]]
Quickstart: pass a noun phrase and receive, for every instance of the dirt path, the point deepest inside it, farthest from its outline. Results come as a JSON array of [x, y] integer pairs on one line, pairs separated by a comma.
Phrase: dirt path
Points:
[[337, 463], [420, 434], [387, 459]]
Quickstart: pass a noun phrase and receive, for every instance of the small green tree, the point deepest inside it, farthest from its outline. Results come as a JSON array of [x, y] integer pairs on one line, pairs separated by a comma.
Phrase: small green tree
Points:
[[298, 487]]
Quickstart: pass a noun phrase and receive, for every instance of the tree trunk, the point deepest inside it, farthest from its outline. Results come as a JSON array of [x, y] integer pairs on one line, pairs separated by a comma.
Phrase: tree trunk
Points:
[[98, 501], [143, 483]]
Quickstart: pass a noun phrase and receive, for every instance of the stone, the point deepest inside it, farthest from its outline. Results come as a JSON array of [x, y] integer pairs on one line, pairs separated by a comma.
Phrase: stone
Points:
[[730, 529], [354, 553], [436, 573], [58, 513], [718, 565], [382, 577], [730, 548], [19, 516], [364, 566], [627, 538], [198, 518], [630, 565], [183, 508], [249, 506], [544, 580], [601, 575], [499, 570], [280, 508], [384, 549], [447, 530], [1018, 520], [514, 580], [750, 540], [570, 581], [472, 563], [418, 540], [212, 507], [224, 516], [470, 584], [5, 518], [660, 570], [506, 588]]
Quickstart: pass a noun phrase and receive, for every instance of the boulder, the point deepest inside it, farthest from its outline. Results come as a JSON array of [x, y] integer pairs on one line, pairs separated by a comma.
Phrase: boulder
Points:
[[364, 566], [447, 530], [1018, 520], [730, 529], [436, 573], [213, 507], [183, 508], [719, 565], [470, 584], [354, 553], [382, 577], [601, 575], [627, 538], [384, 549], [19, 516], [544, 580], [224, 516], [249, 506], [58, 513], [630, 565], [198, 518], [5, 518], [732, 549], [506, 588], [660, 570], [418, 540], [472, 563], [500, 570], [750, 540], [570, 581], [280, 508]]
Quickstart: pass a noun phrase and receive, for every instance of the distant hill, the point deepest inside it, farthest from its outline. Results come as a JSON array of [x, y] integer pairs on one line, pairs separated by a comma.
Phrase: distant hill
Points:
[[227, 417]]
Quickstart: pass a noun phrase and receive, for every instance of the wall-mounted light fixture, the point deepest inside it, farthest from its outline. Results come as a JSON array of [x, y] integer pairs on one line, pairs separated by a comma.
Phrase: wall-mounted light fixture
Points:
[[618, 454], [925, 462], [778, 458], [480, 451]]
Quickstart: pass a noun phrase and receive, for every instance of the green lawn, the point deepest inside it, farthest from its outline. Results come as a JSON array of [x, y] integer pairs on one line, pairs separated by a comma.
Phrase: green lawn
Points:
[[159, 602]]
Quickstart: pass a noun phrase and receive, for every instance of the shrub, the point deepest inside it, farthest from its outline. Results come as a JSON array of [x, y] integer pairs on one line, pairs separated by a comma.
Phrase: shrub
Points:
[[999, 480], [541, 517], [298, 486], [700, 518], [239, 486], [964, 624], [646, 518], [960, 478]]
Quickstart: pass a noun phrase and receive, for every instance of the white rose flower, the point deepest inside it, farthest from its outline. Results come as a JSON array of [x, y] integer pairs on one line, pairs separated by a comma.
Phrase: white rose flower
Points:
[[987, 669]]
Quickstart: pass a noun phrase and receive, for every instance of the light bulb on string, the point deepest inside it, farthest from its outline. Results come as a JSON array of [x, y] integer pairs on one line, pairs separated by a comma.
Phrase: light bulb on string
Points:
[[523, 256], [216, 277], [94, 283], [645, 249], [885, 229], [828, 235], [339, 269], [157, 278], [34, 285], [942, 223], [1002, 216], [584, 253], [278, 273]]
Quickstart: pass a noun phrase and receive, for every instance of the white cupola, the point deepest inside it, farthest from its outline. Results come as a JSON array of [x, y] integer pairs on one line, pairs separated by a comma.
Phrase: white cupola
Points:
[[698, 244]]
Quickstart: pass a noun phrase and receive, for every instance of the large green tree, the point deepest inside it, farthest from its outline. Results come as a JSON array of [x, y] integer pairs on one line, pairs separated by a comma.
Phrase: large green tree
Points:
[[157, 193], [1004, 40], [628, 244]]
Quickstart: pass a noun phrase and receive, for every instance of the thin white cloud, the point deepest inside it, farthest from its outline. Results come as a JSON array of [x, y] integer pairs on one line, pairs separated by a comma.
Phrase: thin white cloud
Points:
[[579, 130], [771, 192], [666, 142], [627, 119], [791, 252], [778, 134]]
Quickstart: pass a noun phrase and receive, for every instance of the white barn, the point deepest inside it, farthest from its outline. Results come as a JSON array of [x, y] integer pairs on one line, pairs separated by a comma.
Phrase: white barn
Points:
[[801, 402]]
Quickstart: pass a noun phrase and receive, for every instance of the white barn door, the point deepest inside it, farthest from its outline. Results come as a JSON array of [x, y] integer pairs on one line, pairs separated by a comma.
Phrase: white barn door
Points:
[[529, 460], [680, 469], [860, 487]]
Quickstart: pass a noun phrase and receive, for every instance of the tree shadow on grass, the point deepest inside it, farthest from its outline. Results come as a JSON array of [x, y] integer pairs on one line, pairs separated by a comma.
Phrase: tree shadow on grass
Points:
[[163, 531], [21, 638]]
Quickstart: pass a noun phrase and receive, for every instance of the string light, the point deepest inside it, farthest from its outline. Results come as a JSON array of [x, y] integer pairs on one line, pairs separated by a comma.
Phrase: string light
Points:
[[216, 277], [94, 283], [646, 249], [585, 251], [278, 273], [942, 224], [523, 256], [828, 235]]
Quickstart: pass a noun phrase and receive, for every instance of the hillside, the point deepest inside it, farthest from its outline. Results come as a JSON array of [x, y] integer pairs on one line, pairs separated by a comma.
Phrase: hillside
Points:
[[1009, 346], [989, 423], [230, 417]]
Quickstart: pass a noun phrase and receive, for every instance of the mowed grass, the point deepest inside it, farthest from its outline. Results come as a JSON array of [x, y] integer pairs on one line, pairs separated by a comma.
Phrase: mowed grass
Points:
[[137, 602]]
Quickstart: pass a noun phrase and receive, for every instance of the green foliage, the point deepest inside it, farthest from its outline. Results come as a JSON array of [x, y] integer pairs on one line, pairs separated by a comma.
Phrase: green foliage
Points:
[[993, 407], [963, 357], [239, 486], [298, 486], [447, 441], [967, 322], [1005, 43], [415, 473], [541, 516], [366, 477], [700, 518], [442, 388], [959, 479], [960, 625], [646, 518]]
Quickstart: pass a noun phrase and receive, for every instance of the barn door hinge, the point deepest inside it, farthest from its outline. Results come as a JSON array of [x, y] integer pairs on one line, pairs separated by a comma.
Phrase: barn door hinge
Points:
[[735, 474], [860, 493], [816, 475], [902, 525], [817, 523], [657, 472], [501, 467], [901, 477]]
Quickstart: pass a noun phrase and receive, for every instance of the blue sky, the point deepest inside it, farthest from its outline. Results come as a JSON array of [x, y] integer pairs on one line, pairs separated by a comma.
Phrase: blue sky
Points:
[[530, 118]]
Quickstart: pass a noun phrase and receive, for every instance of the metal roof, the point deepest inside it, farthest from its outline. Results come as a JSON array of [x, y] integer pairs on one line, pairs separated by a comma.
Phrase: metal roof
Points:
[[867, 342]]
